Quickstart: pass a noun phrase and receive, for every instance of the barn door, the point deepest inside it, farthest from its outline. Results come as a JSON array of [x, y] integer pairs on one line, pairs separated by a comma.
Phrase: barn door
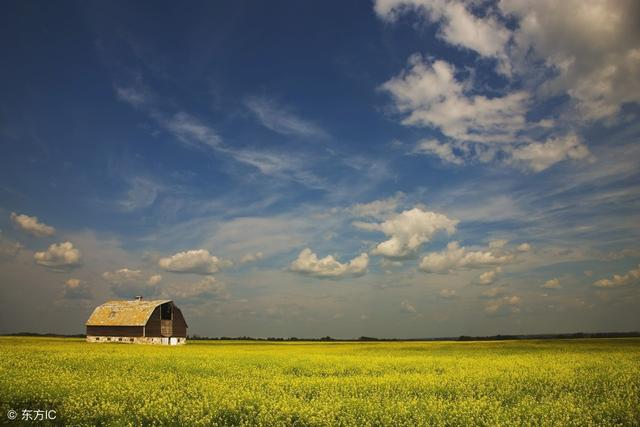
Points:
[[166, 319]]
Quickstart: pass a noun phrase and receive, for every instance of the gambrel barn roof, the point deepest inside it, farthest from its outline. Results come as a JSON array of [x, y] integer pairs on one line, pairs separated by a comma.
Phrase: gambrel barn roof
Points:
[[124, 313]]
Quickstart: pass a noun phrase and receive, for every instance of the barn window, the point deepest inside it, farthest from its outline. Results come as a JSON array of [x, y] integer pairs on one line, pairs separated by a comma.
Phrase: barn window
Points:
[[165, 312]]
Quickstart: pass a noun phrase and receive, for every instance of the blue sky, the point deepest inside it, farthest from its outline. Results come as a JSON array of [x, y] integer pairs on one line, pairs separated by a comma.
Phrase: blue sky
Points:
[[390, 168]]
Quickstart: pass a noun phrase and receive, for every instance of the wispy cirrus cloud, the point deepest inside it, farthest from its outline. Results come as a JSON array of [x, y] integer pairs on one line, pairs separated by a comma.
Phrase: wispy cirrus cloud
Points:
[[195, 133], [190, 130], [282, 165], [281, 120], [142, 193], [377, 209], [186, 128]]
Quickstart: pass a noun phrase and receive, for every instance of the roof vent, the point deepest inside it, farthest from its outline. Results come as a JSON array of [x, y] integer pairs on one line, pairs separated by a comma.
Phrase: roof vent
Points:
[[138, 297]]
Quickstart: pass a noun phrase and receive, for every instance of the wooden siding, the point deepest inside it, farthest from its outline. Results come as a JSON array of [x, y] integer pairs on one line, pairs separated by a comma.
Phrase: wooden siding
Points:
[[154, 325], [119, 331], [152, 328], [179, 324]]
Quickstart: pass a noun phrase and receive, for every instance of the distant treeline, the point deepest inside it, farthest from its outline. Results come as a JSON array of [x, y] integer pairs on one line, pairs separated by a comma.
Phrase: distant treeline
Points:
[[50, 335], [576, 335]]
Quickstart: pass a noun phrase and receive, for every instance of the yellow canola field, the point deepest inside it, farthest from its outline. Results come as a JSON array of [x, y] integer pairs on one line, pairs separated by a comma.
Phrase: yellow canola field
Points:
[[562, 382]]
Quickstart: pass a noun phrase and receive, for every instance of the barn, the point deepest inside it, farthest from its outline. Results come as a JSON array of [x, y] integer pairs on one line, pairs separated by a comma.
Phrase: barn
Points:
[[137, 321]]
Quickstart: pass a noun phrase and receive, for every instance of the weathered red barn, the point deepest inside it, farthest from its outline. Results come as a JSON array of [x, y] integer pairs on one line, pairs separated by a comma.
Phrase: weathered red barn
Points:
[[138, 321]]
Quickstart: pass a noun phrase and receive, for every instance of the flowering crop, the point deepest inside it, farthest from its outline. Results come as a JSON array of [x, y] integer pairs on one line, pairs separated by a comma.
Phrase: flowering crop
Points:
[[572, 382]]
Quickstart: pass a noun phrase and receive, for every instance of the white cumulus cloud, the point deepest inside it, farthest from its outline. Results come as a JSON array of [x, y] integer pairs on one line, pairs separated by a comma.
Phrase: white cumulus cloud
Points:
[[503, 305], [430, 95], [489, 277], [552, 284], [407, 231], [447, 293], [632, 276], [524, 247], [458, 26], [31, 225], [60, 256], [9, 248], [122, 276], [76, 289], [127, 283], [538, 156], [154, 280], [492, 293], [205, 289], [456, 257], [593, 47], [197, 261], [251, 257], [498, 244], [586, 51], [309, 264]]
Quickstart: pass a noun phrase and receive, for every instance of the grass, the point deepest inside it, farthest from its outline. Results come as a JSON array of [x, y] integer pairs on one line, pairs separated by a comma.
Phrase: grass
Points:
[[538, 382]]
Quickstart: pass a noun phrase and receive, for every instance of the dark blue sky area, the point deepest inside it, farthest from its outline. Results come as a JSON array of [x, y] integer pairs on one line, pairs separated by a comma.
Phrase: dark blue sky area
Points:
[[418, 167]]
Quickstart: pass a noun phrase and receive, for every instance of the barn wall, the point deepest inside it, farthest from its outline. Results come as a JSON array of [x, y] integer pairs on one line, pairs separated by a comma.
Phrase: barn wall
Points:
[[179, 324], [117, 331], [152, 328], [137, 340]]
